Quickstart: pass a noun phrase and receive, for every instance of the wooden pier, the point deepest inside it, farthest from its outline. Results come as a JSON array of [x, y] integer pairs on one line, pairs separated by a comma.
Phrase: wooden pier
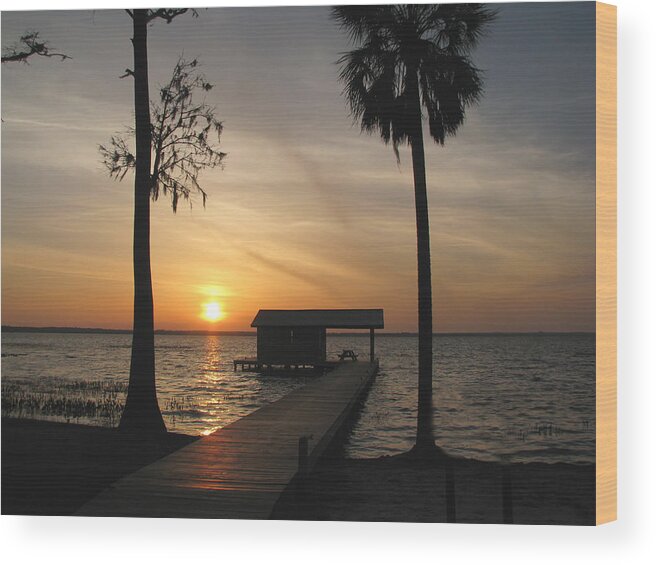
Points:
[[241, 470]]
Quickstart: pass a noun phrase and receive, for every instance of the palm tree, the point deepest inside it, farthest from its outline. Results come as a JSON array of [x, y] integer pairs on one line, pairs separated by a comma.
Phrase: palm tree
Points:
[[141, 412], [410, 58]]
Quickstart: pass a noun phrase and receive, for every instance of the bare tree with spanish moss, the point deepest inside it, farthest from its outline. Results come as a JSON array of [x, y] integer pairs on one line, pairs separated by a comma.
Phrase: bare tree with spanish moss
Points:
[[171, 148], [185, 138], [412, 62]]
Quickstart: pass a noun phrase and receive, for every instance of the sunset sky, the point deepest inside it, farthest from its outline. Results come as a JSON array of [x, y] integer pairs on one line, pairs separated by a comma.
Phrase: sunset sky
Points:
[[308, 212]]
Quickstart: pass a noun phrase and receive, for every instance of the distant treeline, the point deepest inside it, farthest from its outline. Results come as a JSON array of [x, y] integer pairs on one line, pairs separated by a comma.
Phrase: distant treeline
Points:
[[66, 330]]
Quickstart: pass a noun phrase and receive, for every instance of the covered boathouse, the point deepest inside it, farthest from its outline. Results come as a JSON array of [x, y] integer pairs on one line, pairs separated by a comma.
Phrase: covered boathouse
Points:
[[297, 338]]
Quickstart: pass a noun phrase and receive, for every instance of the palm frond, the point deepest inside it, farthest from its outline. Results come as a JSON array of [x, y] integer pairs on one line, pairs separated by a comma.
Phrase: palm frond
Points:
[[360, 22], [458, 28], [395, 42], [449, 84]]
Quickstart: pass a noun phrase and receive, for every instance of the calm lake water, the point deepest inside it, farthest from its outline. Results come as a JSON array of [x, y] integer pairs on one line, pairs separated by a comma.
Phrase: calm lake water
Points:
[[525, 397]]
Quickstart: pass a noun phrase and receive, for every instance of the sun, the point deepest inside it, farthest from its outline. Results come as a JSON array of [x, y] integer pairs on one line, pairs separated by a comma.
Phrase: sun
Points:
[[212, 312]]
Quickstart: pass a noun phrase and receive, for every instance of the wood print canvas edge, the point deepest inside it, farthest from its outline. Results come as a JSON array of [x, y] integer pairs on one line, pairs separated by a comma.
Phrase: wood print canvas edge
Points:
[[606, 262]]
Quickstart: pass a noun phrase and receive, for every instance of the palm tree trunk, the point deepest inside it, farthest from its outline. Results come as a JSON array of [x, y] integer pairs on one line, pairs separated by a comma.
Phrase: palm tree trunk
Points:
[[142, 411], [425, 439]]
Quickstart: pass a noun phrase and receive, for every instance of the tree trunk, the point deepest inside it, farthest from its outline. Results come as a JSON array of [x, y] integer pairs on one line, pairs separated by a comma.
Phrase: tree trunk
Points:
[[425, 439], [142, 413]]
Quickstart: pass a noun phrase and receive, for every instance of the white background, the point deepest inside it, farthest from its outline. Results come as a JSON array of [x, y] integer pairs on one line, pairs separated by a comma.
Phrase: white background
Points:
[[55, 541]]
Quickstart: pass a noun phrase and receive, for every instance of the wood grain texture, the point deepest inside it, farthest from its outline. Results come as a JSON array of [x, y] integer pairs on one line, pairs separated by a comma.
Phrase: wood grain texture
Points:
[[606, 264]]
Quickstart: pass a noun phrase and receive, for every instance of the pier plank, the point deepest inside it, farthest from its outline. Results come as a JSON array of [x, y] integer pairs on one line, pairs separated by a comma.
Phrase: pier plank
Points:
[[241, 470]]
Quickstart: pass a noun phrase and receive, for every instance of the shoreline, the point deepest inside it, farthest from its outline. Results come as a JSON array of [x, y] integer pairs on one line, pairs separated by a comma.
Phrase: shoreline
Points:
[[398, 489], [51, 468]]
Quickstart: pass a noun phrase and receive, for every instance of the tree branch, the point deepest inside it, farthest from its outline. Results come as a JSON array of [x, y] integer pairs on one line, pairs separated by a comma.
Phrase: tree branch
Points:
[[185, 138], [28, 45], [168, 14]]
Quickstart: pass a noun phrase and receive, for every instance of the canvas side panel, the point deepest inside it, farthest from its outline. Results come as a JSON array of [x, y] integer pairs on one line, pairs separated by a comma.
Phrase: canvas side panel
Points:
[[606, 168]]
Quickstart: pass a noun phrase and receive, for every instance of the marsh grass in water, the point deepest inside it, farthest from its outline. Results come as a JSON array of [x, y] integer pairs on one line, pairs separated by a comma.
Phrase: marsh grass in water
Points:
[[548, 429], [94, 402], [97, 402]]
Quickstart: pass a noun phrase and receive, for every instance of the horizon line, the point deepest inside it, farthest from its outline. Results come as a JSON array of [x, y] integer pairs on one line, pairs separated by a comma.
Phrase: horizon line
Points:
[[76, 329]]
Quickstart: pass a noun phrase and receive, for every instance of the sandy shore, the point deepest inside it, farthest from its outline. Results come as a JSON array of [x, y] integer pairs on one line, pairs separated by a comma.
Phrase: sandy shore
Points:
[[52, 469], [396, 489]]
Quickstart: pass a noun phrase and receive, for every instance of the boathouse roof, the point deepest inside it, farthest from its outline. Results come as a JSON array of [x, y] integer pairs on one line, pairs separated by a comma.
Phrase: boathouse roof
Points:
[[343, 319]]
